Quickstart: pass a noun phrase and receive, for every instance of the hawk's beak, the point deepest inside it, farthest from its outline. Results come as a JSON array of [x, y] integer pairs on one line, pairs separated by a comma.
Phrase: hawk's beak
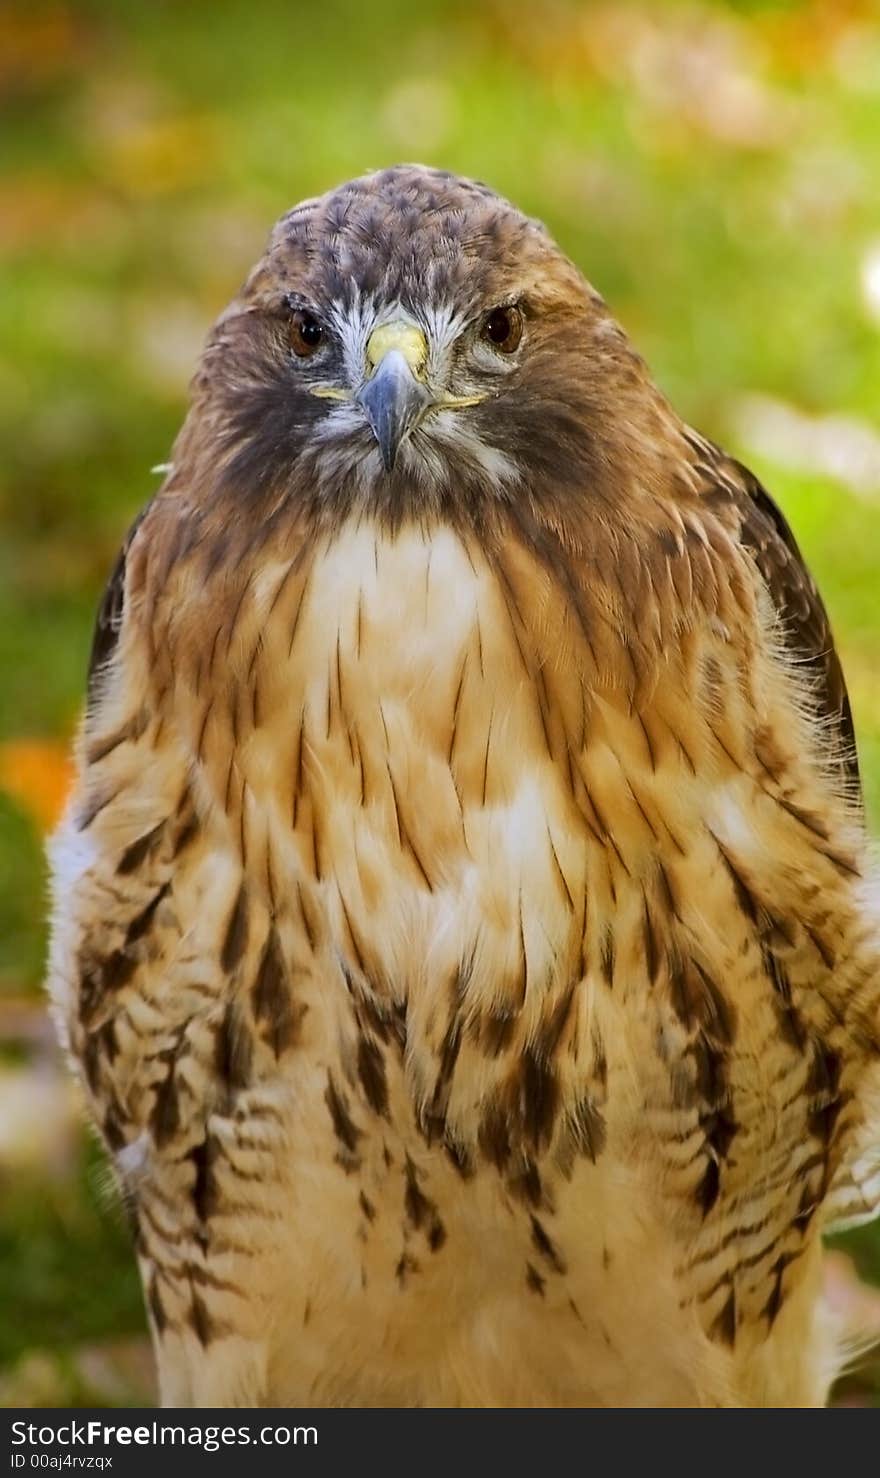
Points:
[[395, 394]]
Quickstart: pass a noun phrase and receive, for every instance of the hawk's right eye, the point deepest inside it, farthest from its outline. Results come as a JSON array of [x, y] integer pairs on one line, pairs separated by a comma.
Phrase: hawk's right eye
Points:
[[306, 333]]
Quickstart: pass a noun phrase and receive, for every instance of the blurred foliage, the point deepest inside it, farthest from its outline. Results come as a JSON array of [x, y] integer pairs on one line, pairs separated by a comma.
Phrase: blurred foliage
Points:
[[67, 1272], [712, 166]]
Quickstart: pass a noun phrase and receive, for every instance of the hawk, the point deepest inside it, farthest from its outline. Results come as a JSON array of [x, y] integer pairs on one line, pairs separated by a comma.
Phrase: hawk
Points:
[[464, 927]]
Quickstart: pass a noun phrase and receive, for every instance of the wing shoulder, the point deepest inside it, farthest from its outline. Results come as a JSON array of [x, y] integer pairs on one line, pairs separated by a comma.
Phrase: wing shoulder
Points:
[[765, 534], [109, 618]]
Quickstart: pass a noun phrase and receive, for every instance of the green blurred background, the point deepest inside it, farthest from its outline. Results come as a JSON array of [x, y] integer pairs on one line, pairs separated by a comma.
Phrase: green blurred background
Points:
[[713, 167]]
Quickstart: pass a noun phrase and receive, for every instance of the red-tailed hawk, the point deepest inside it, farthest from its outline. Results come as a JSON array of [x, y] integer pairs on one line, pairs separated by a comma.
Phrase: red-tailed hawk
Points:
[[463, 921]]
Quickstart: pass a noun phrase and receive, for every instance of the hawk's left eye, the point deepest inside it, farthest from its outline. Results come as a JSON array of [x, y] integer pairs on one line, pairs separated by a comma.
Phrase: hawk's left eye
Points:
[[306, 333], [503, 328]]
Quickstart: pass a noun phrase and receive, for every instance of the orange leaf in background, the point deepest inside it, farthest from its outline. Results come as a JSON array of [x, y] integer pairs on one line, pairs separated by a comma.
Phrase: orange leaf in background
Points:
[[34, 49], [37, 203], [38, 773]]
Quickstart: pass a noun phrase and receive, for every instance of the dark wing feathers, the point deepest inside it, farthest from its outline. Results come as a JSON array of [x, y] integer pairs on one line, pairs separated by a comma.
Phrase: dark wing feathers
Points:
[[108, 621], [807, 630], [767, 534]]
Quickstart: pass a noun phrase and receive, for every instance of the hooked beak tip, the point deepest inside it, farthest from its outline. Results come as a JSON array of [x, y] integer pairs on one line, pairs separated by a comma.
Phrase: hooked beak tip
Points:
[[392, 401]]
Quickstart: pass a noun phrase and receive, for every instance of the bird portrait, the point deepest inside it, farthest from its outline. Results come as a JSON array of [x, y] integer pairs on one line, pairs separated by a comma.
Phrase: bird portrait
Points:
[[464, 925]]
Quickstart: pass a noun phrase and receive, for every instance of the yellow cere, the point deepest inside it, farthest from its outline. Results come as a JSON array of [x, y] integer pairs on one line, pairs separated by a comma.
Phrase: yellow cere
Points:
[[398, 335]]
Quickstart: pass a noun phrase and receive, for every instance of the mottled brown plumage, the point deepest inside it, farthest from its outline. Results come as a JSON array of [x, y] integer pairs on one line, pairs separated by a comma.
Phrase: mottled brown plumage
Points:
[[464, 921]]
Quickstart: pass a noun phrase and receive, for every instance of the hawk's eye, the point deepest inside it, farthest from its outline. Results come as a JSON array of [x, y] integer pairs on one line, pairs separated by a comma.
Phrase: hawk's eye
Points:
[[503, 328], [306, 333]]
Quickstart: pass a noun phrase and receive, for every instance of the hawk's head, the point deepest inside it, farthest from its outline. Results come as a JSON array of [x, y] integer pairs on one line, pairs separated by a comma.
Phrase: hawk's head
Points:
[[411, 341]]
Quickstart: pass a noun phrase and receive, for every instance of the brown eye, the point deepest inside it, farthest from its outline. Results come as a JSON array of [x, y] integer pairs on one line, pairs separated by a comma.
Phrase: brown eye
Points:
[[503, 328], [306, 333]]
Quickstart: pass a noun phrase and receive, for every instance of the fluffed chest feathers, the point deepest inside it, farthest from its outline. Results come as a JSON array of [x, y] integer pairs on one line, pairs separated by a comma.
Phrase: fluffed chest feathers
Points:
[[488, 837]]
